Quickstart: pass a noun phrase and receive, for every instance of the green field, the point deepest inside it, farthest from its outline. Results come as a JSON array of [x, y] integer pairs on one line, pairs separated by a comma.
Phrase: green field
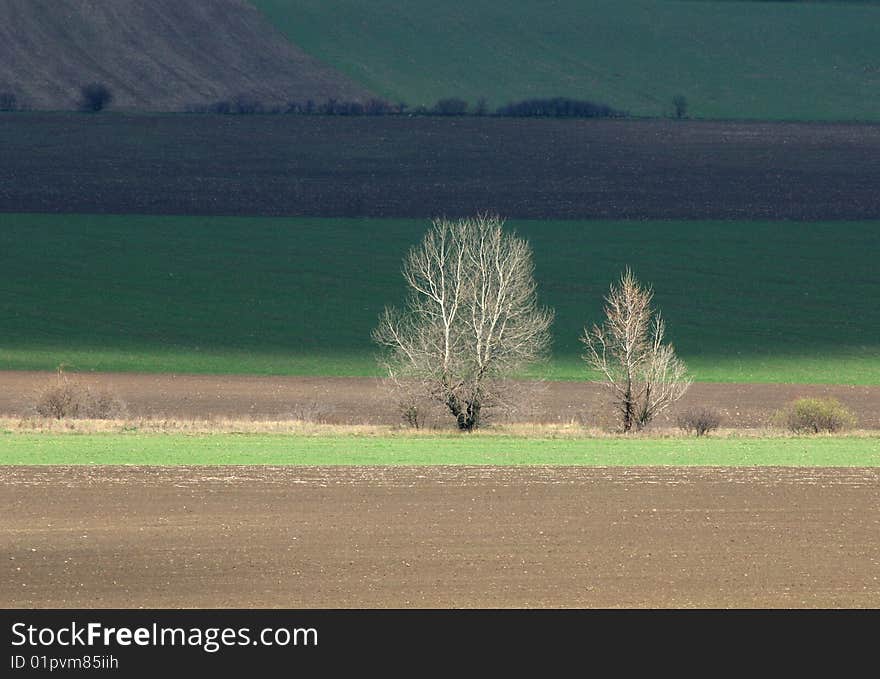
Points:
[[172, 449], [744, 301], [767, 60]]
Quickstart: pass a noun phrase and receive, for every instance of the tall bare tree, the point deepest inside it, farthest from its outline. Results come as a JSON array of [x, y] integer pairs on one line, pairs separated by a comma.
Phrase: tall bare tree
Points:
[[642, 372], [471, 318]]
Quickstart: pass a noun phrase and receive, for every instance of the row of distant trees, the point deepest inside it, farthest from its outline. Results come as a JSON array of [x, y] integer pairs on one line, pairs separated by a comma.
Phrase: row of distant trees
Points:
[[556, 107], [95, 97]]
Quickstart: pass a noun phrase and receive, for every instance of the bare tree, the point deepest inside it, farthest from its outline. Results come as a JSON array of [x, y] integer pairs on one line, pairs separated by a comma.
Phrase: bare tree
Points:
[[471, 318], [642, 372]]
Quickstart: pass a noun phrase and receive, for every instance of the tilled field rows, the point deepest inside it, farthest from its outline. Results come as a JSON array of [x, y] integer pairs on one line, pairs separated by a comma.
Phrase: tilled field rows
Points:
[[426, 166], [438, 537]]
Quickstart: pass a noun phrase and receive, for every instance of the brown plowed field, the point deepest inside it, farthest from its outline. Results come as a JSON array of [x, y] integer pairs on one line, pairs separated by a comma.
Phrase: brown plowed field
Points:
[[162, 55], [353, 400], [396, 166], [299, 537]]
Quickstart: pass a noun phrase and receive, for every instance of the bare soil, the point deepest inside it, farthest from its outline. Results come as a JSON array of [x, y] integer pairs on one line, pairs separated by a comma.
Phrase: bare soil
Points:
[[300, 537], [353, 400], [162, 55], [422, 167]]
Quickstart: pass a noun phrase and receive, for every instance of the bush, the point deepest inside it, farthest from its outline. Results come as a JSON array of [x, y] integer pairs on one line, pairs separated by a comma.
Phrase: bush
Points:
[[241, 104], [380, 107], [408, 399], [8, 101], [450, 107], [66, 398], [699, 421], [814, 415], [333, 107], [559, 107], [95, 97], [222, 106], [680, 106], [412, 413], [244, 104], [311, 412]]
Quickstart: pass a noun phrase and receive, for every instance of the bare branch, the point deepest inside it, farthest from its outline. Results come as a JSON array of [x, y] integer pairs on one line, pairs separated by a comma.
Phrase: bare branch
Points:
[[643, 374], [471, 319]]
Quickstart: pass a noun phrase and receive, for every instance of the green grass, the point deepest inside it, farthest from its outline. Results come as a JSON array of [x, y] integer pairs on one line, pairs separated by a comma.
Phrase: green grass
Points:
[[171, 449], [769, 60], [744, 301]]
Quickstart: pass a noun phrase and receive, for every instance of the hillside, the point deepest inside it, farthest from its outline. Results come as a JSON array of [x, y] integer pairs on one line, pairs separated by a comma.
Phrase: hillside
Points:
[[764, 60], [162, 55]]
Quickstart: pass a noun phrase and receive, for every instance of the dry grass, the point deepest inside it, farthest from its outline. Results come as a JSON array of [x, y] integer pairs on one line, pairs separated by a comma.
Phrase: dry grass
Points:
[[572, 430]]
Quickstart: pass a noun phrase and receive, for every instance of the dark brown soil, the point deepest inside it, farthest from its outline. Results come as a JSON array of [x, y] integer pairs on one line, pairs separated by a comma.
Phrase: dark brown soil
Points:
[[162, 55], [427, 166], [352, 400], [298, 537]]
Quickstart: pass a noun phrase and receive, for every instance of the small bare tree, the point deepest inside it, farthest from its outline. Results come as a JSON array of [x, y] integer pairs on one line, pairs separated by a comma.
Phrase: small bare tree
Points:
[[471, 318], [642, 372]]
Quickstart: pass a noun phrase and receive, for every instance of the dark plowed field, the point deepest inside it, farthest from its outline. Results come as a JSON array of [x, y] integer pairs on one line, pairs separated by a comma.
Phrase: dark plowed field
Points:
[[423, 167], [438, 537]]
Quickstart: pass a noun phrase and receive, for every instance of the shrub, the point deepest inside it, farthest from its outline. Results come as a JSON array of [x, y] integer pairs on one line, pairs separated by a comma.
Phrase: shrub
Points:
[[333, 107], [241, 104], [680, 105], [8, 101], [559, 107], [223, 106], [66, 398], [95, 97], [409, 401], [245, 104], [412, 413], [329, 107], [699, 421], [380, 107], [450, 107], [312, 412], [814, 415]]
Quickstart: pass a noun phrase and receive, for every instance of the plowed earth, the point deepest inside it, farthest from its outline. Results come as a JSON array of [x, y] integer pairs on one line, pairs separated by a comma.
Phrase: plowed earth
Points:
[[299, 537]]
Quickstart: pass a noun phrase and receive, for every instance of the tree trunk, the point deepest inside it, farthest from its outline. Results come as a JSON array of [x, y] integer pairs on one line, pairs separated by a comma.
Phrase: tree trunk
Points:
[[628, 408], [467, 414]]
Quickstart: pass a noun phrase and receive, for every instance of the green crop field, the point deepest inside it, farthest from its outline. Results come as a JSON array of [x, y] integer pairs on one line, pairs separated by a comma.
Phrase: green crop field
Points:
[[222, 449], [744, 301], [768, 60]]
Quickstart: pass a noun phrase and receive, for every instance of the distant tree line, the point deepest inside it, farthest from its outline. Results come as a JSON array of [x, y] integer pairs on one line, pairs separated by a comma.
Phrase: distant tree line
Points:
[[96, 97], [557, 107]]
